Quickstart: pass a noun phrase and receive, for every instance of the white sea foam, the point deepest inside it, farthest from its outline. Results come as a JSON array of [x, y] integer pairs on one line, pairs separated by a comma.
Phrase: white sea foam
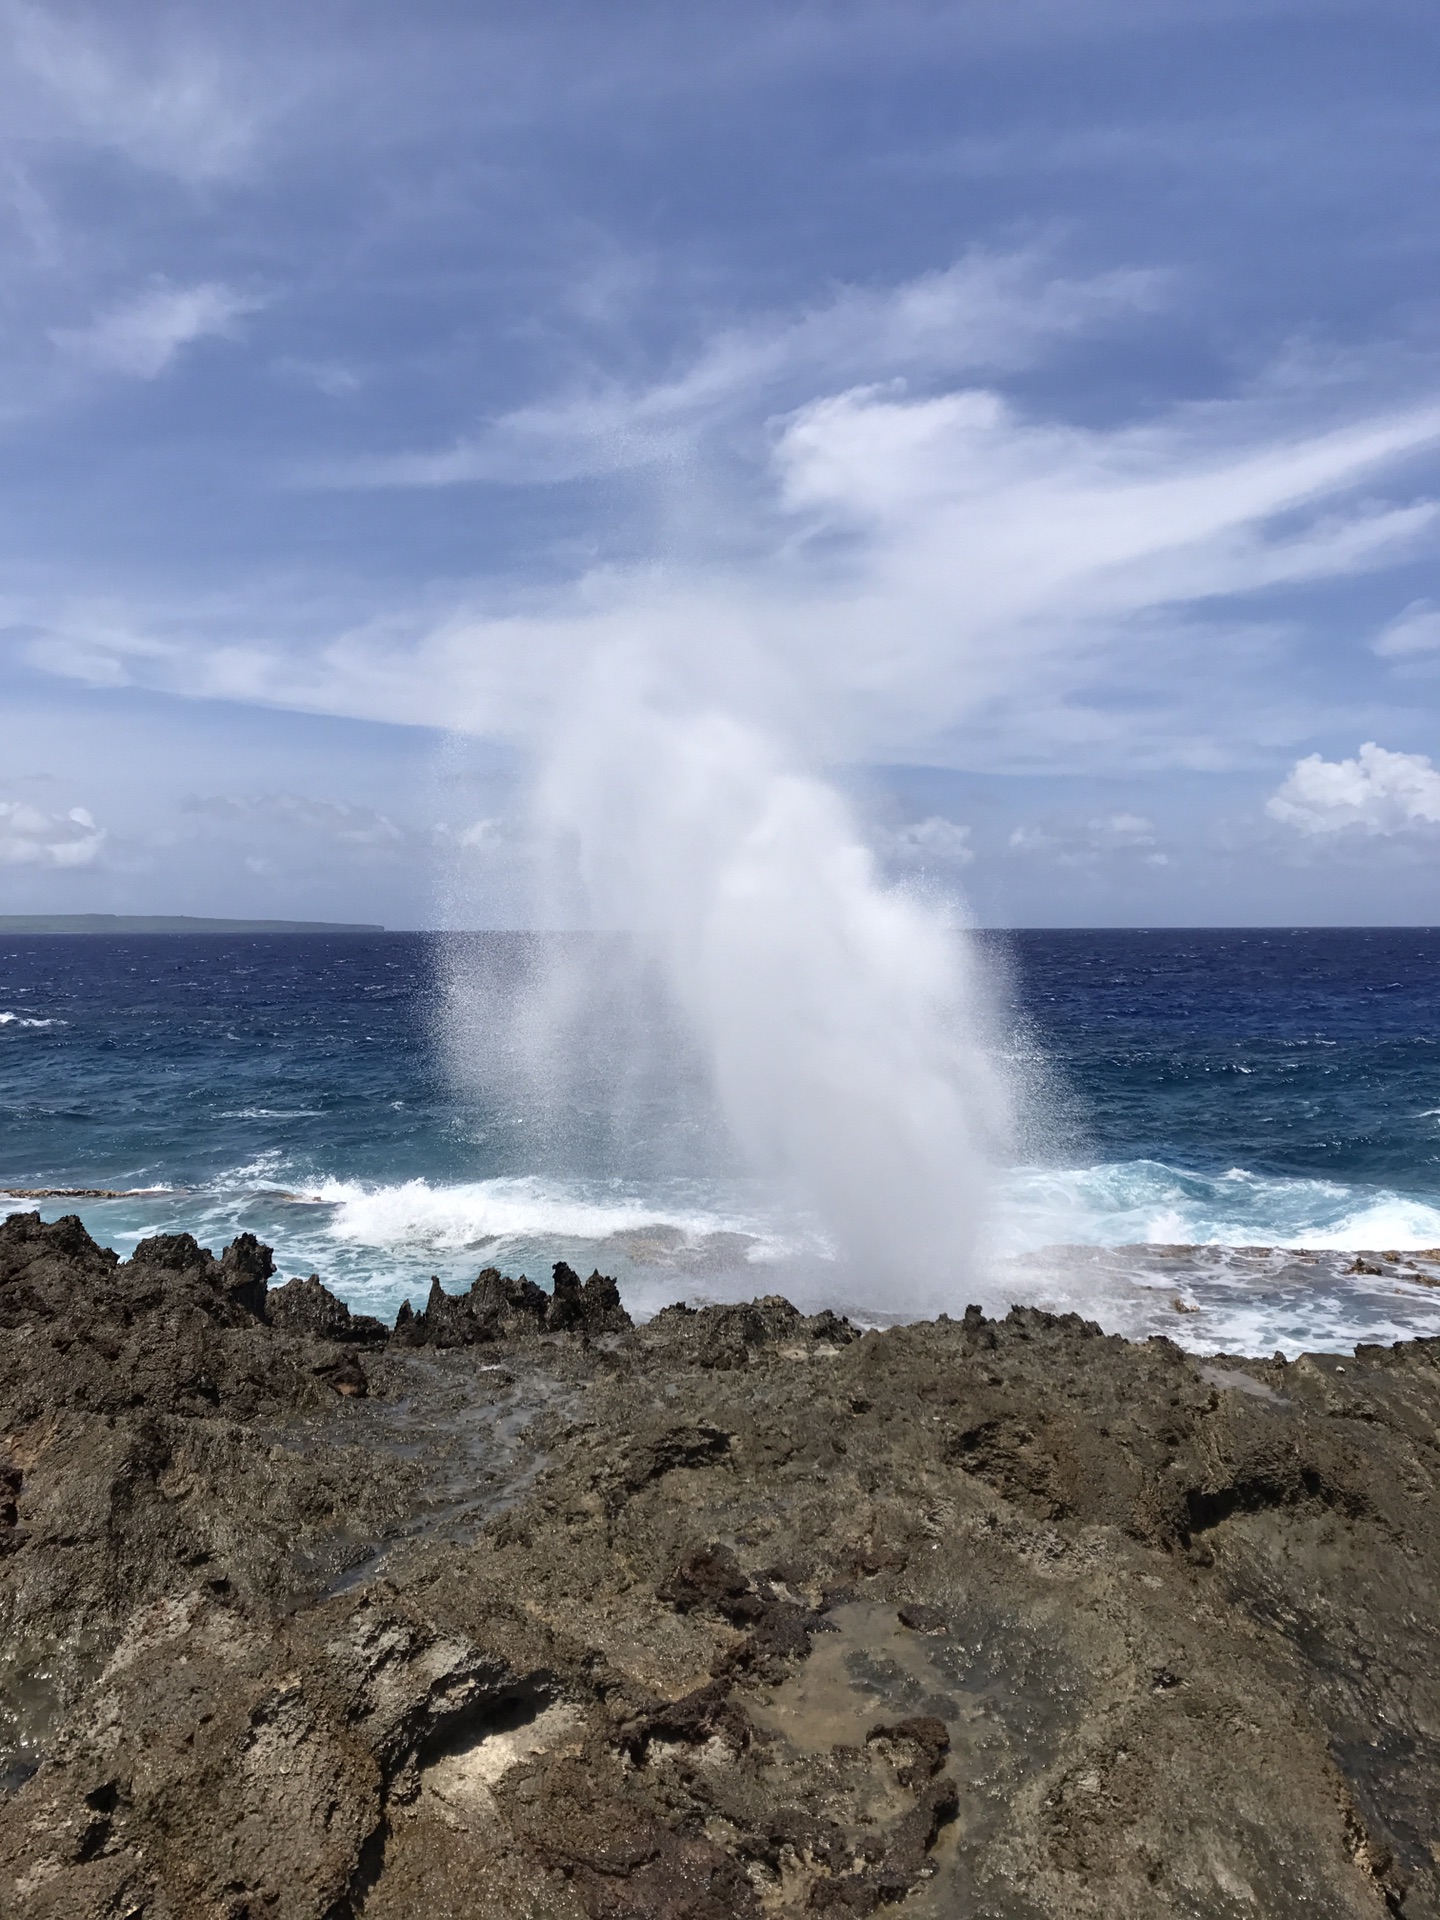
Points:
[[27, 1020], [1145, 1202], [1133, 1203], [414, 1215]]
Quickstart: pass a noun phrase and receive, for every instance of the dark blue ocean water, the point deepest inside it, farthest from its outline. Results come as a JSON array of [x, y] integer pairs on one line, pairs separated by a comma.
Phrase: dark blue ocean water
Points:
[[1292, 1051], [1229, 1088]]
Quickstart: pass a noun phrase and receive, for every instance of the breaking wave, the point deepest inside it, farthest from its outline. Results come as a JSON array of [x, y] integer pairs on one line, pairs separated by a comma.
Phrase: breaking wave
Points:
[[1147, 1203], [1121, 1203], [498, 1213]]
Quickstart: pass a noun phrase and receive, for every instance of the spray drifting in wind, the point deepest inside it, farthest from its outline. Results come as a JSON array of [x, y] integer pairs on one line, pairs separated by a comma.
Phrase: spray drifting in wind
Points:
[[834, 1017]]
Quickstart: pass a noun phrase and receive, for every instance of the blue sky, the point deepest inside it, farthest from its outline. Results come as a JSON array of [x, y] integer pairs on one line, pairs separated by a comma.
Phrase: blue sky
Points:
[[1035, 404]]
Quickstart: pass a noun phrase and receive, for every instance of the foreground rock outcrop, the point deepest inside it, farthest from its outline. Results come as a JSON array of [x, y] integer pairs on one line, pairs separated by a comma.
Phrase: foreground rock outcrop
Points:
[[518, 1610]]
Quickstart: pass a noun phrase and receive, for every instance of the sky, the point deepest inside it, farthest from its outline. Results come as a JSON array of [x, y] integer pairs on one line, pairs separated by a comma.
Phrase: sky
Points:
[[1030, 407]]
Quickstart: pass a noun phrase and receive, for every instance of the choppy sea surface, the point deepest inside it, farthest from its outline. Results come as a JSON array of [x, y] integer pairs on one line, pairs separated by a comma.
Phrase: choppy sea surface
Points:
[[1226, 1121]]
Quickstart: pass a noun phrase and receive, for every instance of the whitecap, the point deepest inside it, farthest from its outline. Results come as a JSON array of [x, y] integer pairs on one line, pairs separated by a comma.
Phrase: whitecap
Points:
[[414, 1214], [1146, 1202]]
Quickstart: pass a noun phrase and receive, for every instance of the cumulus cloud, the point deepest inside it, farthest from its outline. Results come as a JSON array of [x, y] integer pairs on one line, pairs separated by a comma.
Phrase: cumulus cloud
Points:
[[1085, 843], [1415, 629], [141, 336], [279, 833], [933, 843], [357, 830], [1378, 792], [30, 838], [481, 835]]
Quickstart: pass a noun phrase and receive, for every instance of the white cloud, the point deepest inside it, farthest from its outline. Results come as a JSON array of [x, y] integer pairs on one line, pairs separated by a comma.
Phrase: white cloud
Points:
[[1378, 792], [930, 843], [30, 838], [357, 829], [987, 311], [1124, 829], [143, 335], [331, 377], [880, 570], [1415, 629], [483, 834], [168, 102], [1087, 843], [930, 561]]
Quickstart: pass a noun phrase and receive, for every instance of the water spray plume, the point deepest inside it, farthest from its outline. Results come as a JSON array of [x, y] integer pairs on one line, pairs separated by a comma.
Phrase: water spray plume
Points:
[[836, 1019]]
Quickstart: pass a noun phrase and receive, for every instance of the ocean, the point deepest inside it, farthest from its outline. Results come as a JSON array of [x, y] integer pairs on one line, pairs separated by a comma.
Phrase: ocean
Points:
[[1220, 1122]]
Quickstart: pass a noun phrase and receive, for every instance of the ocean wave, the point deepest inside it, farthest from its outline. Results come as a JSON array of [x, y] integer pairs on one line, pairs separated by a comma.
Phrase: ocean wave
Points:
[[500, 1212], [1111, 1204], [28, 1020], [1146, 1202]]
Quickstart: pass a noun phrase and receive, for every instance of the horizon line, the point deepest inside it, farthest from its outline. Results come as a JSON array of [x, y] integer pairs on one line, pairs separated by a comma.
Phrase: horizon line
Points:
[[100, 924]]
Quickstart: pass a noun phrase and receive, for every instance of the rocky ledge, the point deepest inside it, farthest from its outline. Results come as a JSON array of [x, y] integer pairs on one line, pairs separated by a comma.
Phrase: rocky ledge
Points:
[[518, 1610]]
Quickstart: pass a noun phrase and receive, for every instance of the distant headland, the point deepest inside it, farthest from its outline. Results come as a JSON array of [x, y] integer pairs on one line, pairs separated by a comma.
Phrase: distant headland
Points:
[[168, 923]]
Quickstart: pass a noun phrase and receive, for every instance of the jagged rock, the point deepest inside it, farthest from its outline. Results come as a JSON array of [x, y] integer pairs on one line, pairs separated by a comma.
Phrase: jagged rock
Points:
[[305, 1306], [741, 1336], [496, 1308], [591, 1306]]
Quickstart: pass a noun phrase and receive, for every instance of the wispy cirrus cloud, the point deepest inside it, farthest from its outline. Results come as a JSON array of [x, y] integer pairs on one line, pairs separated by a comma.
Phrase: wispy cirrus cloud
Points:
[[988, 311], [914, 564], [172, 101], [1414, 630]]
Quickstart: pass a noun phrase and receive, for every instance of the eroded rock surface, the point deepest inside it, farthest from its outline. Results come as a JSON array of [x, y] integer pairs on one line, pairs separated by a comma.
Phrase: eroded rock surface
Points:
[[521, 1611]]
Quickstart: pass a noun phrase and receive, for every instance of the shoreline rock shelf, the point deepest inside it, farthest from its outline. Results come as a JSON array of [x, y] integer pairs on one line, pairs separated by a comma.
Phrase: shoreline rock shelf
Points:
[[519, 1610]]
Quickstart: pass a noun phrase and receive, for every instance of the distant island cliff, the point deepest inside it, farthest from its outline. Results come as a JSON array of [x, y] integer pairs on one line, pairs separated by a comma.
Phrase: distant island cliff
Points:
[[169, 923]]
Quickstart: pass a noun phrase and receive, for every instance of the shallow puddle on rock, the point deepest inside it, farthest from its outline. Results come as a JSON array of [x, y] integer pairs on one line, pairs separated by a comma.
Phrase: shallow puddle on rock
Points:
[[1235, 1380], [867, 1670], [1004, 1694], [36, 1690]]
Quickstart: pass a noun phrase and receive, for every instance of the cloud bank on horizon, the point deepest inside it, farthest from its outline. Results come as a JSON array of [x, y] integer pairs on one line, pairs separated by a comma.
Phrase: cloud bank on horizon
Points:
[[1037, 407]]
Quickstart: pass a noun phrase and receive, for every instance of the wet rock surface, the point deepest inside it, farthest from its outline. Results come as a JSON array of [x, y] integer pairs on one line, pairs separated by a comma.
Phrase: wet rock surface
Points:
[[521, 1611]]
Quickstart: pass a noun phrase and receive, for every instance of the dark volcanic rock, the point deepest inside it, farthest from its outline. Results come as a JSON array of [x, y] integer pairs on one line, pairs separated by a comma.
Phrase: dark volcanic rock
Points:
[[523, 1611], [304, 1306], [496, 1308], [592, 1306]]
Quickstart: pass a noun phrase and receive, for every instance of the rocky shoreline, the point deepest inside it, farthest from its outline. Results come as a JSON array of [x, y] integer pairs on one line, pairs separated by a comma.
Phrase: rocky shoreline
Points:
[[517, 1610]]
